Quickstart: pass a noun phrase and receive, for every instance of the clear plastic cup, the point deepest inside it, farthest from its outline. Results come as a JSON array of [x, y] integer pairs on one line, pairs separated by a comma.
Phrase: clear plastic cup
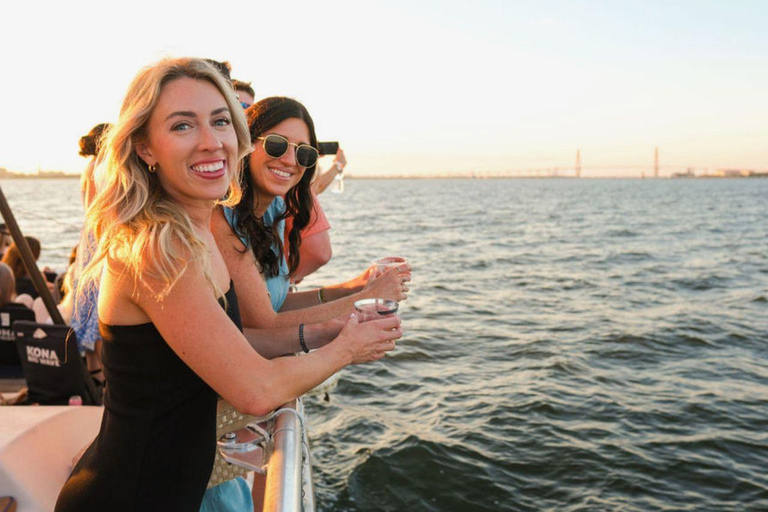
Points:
[[381, 265], [371, 309]]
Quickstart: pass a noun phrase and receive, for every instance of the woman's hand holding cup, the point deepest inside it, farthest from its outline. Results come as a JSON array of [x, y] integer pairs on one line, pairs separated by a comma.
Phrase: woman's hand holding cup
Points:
[[390, 285], [371, 340], [388, 278], [380, 266]]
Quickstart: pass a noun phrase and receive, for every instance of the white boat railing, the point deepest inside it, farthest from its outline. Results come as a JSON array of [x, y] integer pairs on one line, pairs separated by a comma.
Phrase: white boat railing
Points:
[[37, 448], [289, 470]]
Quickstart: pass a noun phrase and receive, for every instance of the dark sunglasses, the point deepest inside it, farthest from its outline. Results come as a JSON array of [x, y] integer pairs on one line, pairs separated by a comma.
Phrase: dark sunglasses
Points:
[[276, 146]]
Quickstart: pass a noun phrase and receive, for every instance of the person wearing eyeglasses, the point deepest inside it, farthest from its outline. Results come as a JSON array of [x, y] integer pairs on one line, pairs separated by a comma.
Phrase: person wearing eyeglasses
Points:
[[245, 92], [282, 165], [276, 183], [315, 248]]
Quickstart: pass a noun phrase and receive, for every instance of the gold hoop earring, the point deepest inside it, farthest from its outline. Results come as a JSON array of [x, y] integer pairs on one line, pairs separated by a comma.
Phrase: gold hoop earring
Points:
[[152, 168]]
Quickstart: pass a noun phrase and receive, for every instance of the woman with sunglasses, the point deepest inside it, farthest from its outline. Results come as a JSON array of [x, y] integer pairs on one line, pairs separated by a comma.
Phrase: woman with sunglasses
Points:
[[276, 183], [167, 307], [282, 165]]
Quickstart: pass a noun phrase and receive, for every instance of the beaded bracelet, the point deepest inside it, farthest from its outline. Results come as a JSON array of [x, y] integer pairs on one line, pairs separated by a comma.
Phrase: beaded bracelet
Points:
[[301, 339]]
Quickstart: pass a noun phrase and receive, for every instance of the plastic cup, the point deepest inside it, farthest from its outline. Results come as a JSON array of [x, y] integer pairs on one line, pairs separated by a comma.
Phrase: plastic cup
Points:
[[381, 265], [371, 309]]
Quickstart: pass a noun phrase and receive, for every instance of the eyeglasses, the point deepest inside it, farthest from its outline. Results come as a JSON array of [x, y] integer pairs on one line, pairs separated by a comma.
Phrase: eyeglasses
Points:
[[276, 146]]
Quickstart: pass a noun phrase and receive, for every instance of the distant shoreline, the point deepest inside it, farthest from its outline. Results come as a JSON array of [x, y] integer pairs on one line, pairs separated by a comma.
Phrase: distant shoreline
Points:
[[39, 176], [464, 176], [537, 177]]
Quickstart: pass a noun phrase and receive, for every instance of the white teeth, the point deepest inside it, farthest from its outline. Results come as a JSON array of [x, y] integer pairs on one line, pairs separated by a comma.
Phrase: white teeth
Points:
[[208, 167], [280, 173]]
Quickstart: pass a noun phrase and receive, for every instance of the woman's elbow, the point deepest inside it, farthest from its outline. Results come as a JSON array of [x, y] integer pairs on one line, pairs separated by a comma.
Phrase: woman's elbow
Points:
[[257, 403], [256, 409], [324, 255], [319, 256]]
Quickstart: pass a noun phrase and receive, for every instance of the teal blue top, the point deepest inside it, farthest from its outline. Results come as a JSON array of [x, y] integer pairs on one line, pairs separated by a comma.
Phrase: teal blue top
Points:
[[278, 285], [230, 496]]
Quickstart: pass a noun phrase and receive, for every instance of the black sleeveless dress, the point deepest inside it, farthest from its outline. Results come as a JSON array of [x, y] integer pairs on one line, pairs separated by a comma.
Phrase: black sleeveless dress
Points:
[[157, 441]]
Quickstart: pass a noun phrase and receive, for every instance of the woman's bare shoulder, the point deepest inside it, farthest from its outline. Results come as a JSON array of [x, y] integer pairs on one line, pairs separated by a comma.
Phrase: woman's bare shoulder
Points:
[[225, 236]]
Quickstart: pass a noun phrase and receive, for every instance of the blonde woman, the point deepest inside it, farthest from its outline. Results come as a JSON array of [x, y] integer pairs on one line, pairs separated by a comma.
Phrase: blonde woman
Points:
[[169, 344]]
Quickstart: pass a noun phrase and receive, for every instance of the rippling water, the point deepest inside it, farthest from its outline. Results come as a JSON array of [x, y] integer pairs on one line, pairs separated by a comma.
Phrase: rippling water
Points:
[[571, 345]]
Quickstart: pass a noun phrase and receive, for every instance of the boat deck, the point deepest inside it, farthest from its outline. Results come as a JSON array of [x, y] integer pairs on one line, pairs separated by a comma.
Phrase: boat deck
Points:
[[37, 446]]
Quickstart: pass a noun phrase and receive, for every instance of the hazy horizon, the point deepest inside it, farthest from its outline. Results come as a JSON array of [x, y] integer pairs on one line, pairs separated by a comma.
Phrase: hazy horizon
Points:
[[424, 88]]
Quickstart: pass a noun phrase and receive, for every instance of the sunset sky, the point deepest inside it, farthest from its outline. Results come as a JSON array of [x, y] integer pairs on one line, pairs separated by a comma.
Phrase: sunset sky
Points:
[[419, 87]]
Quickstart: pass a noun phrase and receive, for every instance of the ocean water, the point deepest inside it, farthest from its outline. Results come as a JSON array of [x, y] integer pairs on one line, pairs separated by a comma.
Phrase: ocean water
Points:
[[571, 345]]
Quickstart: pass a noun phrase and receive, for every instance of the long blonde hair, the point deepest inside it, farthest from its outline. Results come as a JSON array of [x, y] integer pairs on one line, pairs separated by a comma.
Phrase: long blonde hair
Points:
[[131, 217]]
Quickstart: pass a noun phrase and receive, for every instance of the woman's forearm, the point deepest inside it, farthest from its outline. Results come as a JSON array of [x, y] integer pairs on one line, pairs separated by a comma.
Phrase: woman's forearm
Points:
[[318, 296], [331, 302], [271, 343], [314, 311]]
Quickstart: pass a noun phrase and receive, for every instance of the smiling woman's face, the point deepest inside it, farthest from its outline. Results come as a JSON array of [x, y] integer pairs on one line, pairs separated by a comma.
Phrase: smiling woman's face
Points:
[[191, 140], [274, 177]]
